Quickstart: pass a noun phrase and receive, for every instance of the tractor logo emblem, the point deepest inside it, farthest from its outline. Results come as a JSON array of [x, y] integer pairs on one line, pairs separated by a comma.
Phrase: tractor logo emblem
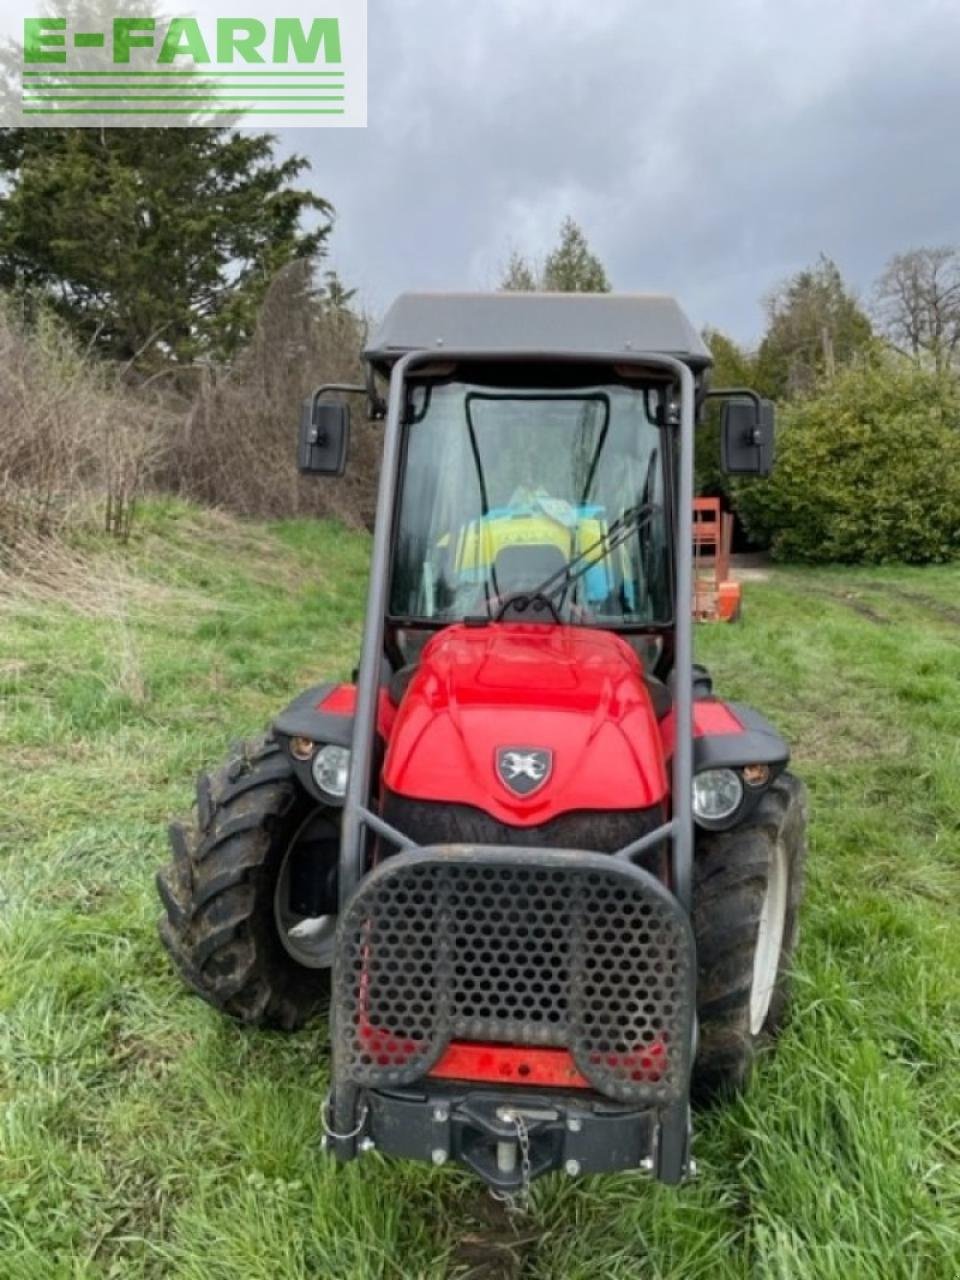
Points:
[[524, 769]]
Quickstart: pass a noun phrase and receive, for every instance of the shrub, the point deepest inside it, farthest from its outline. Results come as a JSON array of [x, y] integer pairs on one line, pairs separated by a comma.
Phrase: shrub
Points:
[[74, 439], [867, 470], [237, 448]]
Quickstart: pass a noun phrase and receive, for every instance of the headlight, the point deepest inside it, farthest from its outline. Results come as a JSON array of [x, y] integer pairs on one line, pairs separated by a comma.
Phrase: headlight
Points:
[[716, 794], [331, 768]]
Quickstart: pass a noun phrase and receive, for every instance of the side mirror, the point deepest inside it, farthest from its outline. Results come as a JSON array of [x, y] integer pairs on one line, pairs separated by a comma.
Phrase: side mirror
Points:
[[324, 436], [746, 438]]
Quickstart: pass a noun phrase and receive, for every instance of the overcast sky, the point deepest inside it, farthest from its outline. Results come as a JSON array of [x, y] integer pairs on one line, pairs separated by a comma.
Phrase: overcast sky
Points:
[[708, 147]]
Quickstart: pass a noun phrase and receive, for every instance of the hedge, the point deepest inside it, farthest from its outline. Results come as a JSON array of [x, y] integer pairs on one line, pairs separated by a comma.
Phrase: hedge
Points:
[[867, 470]]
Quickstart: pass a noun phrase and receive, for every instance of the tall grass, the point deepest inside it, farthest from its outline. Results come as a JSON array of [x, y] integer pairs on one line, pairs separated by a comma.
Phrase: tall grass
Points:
[[143, 1137], [77, 446]]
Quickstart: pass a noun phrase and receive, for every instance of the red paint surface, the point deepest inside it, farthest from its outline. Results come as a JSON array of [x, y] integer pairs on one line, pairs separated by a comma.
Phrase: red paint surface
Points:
[[578, 692], [711, 718], [342, 701]]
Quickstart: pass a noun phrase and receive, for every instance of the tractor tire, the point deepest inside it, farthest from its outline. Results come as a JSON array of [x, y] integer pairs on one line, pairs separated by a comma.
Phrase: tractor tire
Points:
[[219, 923], [747, 889]]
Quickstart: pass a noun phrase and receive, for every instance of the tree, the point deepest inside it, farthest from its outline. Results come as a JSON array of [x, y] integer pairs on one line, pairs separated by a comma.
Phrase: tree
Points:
[[155, 244], [918, 304], [519, 276], [571, 267], [868, 470], [335, 294], [815, 326]]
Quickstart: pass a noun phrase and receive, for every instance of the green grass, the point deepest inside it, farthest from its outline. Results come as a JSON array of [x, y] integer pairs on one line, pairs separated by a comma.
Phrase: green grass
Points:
[[143, 1136]]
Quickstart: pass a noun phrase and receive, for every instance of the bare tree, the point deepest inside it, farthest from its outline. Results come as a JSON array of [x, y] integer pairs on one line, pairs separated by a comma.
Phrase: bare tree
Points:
[[237, 445], [918, 304]]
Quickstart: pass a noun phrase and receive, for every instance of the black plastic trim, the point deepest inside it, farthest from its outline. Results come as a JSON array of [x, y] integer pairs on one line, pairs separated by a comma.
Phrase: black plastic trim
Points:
[[304, 719], [463, 1122], [594, 830], [759, 743]]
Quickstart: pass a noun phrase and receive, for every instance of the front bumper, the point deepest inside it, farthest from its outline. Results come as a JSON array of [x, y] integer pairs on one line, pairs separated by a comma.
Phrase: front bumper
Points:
[[539, 948], [509, 1137]]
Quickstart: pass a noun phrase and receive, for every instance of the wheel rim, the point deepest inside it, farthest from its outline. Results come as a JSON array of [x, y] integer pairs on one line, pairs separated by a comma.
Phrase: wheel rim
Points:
[[307, 939], [766, 958]]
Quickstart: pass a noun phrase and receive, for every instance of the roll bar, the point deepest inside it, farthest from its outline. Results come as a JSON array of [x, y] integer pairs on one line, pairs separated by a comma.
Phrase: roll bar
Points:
[[358, 817]]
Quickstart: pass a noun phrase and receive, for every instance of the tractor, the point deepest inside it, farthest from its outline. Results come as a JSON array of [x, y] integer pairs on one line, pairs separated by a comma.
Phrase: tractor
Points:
[[544, 881]]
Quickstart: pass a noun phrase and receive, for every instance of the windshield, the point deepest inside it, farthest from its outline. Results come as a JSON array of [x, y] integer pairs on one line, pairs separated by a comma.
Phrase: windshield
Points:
[[504, 488]]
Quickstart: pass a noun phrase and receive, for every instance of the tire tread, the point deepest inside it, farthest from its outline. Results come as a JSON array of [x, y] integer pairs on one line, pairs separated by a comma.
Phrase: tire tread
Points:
[[730, 877], [217, 892]]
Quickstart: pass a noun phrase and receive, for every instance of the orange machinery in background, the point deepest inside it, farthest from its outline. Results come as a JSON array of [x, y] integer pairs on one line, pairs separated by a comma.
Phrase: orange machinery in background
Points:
[[716, 597]]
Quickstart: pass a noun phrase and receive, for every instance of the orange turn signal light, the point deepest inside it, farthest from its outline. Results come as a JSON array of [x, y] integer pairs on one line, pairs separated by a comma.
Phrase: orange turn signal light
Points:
[[756, 775]]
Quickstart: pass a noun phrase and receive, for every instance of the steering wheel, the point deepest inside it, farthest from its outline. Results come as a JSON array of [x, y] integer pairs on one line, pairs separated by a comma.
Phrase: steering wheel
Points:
[[521, 601]]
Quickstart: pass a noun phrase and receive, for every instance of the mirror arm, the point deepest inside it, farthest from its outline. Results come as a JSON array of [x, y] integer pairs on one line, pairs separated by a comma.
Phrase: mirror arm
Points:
[[740, 393], [325, 390], [376, 405], [735, 393]]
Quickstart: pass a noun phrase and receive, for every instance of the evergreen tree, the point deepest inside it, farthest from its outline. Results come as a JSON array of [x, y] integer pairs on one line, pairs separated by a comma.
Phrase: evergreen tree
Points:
[[519, 276], [155, 244], [815, 326], [335, 293], [571, 267]]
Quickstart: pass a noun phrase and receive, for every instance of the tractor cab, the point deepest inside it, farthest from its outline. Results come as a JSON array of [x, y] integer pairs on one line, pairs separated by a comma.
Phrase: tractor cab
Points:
[[489, 844]]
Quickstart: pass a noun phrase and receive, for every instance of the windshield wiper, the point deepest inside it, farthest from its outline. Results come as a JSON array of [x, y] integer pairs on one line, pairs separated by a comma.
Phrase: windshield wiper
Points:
[[560, 582]]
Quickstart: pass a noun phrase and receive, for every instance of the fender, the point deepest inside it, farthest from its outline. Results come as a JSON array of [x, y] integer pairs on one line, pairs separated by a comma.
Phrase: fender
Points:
[[728, 735], [755, 742], [324, 714], [731, 735]]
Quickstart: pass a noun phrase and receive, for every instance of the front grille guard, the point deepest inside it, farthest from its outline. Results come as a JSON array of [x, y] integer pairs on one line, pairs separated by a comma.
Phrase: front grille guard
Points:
[[523, 946]]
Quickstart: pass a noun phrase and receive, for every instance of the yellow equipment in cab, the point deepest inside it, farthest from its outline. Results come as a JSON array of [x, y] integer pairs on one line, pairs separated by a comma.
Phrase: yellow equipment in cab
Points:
[[534, 519]]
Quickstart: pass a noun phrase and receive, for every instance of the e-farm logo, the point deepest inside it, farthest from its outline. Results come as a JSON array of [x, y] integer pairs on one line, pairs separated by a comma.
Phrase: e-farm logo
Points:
[[301, 67]]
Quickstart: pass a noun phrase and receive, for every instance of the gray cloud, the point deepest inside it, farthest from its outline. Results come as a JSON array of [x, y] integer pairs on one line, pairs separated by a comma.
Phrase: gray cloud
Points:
[[708, 149]]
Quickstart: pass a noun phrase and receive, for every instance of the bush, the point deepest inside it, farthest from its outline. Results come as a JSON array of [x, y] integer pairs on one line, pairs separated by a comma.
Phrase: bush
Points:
[[237, 448], [74, 439], [867, 470]]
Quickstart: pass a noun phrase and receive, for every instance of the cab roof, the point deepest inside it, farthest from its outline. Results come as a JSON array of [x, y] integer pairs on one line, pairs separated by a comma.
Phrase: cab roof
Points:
[[564, 323]]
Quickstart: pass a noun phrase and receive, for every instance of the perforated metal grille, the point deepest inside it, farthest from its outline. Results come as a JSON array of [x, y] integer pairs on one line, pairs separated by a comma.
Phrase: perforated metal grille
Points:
[[523, 947]]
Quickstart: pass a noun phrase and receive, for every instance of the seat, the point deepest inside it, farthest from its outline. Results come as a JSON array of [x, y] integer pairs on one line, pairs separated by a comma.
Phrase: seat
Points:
[[525, 565]]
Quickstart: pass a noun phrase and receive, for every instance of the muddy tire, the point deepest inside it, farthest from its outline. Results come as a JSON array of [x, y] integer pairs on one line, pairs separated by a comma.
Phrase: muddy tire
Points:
[[748, 884], [218, 894]]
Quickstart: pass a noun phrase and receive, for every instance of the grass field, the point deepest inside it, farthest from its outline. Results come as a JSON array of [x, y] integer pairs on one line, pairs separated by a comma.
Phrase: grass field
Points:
[[143, 1136]]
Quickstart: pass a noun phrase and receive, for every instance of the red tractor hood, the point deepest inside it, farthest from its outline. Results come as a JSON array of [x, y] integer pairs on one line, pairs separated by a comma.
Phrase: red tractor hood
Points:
[[527, 722]]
